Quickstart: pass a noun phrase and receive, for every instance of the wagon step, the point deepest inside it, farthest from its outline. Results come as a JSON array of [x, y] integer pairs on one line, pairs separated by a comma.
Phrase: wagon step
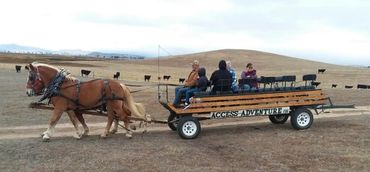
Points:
[[332, 106]]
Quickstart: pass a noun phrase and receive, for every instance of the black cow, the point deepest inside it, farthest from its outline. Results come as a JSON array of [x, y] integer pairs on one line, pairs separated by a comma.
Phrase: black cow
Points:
[[116, 76], [18, 68], [348, 86], [334, 85], [147, 77], [315, 83], [166, 77], [85, 72], [181, 80], [361, 86], [321, 71]]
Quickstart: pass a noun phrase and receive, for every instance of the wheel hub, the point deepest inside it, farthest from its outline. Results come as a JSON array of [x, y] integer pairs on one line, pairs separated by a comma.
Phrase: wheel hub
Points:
[[303, 119], [279, 117], [189, 128]]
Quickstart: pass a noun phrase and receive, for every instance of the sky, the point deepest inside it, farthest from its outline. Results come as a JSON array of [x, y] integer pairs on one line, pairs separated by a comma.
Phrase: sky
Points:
[[333, 31]]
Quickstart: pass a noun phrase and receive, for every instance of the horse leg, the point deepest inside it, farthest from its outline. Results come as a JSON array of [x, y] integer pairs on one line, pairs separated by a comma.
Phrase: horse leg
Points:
[[57, 113], [73, 118], [115, 126], [109, 123], [127, 127], [82, 121], [144, 124]]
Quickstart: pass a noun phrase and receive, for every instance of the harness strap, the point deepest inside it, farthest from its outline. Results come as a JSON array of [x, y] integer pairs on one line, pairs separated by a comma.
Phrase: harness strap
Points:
[[78, 87], [54, 90], [103, 97]]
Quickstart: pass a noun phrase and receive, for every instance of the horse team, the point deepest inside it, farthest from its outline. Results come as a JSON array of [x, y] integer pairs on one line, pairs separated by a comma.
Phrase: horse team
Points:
[[68, 94]]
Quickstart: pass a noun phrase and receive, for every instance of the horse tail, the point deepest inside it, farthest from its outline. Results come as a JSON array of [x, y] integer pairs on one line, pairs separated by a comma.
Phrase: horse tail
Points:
[[137, 109]]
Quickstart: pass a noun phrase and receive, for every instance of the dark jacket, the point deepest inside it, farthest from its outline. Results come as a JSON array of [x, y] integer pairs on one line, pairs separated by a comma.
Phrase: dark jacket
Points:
[[221, 79], [202, 82]]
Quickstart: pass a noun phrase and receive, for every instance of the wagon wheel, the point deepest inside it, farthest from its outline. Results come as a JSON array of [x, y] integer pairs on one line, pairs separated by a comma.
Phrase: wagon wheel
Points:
[[173, 121], [278, 119], [301, 118], [188, 127]]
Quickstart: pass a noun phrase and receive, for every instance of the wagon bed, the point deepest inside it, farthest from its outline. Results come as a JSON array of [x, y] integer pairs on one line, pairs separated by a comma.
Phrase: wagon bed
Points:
[[249, 101]]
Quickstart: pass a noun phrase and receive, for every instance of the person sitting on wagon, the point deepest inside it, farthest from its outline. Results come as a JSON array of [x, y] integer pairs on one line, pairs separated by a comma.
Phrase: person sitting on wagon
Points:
[[202, 84], [221, 78], [250, 73], [190, 83], [234, 84]]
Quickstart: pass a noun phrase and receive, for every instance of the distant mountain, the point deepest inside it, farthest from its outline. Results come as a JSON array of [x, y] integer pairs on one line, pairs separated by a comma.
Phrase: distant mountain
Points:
[[73, 52], [117, 54], [21, 49]]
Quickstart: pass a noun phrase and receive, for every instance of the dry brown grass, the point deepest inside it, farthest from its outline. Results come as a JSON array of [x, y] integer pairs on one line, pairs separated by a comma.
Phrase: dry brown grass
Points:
[[267, 64], [330, 144]]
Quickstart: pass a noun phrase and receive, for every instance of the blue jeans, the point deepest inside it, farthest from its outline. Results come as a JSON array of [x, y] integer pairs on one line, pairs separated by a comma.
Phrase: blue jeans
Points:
[[234, 88], [247, 87], [190, 93], [179, 91]]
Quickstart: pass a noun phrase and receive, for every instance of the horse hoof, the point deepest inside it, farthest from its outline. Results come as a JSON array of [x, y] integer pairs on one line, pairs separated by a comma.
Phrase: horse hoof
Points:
[[85, 133], [113, 132], [45, 138], [77, 136], [103, 136], [133, 127], [129, 135], [42, 134]]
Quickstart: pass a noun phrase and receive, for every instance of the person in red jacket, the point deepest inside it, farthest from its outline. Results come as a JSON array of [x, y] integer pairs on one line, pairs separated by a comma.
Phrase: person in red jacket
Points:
[[250, 73]]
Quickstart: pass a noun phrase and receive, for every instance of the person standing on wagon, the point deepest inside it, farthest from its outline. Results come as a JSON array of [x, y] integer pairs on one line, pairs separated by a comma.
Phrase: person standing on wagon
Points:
[[190, 83]]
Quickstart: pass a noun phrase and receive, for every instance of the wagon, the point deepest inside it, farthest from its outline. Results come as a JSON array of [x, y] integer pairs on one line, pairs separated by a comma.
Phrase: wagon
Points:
[[278, 104]]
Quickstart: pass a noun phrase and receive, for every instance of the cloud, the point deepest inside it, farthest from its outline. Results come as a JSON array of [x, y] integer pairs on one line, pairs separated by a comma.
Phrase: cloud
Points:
[[319, 30]]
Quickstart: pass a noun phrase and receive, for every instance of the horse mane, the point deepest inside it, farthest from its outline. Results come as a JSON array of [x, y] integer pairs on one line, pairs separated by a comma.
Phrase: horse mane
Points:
[[68, 75], [36, 64]]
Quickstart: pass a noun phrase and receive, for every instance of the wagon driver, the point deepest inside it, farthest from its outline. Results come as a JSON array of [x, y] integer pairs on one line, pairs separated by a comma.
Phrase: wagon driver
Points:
[[190, 82]]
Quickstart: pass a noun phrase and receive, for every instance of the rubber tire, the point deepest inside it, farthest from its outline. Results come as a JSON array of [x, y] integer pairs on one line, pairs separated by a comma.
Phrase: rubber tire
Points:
[[180, 126], [171, 117], [294, 118], [278, 121]]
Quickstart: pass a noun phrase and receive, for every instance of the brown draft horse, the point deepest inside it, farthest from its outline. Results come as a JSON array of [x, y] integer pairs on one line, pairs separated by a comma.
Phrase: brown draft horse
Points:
[[68, 94]]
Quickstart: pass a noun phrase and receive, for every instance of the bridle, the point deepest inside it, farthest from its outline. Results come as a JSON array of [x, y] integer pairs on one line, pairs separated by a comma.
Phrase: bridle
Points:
[[34, 82]]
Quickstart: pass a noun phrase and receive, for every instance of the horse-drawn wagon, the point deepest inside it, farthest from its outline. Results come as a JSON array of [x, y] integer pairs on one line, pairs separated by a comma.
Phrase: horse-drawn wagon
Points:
[[278, 103], [68, 94]]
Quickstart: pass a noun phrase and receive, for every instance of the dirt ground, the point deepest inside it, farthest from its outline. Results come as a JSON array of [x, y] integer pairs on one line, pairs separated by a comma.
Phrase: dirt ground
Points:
[[337, 141]]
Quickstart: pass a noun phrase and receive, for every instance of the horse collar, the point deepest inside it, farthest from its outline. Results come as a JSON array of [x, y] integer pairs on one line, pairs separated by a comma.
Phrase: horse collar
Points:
[[54, 86]]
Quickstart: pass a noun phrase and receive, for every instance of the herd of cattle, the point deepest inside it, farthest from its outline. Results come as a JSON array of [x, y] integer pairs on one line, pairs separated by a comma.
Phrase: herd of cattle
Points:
[[86, 73]]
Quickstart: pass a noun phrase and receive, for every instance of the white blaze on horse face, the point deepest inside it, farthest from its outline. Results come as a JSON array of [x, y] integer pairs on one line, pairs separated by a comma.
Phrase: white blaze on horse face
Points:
[[30, 92]]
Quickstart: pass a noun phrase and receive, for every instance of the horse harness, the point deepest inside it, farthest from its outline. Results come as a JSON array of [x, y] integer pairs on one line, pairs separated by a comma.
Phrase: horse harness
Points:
[[53, 90]]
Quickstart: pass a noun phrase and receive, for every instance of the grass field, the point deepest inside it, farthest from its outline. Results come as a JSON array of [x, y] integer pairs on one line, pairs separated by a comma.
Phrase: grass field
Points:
[[337, 141]]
